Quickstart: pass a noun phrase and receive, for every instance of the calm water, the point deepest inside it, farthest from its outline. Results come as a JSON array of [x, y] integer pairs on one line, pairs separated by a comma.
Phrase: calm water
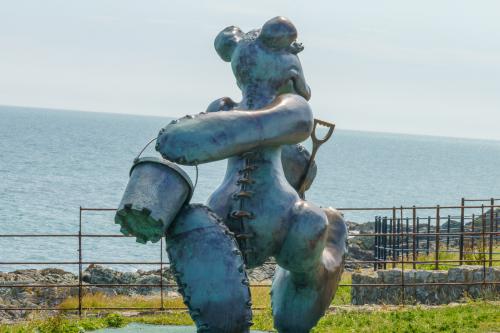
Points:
[[52, 162]]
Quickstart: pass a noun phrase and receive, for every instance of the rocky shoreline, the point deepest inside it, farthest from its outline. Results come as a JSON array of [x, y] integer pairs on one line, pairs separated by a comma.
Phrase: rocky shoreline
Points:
[[35, 297]]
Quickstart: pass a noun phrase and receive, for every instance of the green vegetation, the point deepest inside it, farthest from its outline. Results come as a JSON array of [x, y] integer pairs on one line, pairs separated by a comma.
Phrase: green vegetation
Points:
[[343, 295], [480, 316], [470, 317], [472, 256], [60, 324], [260, 299]]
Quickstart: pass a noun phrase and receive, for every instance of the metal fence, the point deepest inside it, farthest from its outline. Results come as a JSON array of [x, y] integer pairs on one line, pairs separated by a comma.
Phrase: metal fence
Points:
[[471, 232], [395, 239]]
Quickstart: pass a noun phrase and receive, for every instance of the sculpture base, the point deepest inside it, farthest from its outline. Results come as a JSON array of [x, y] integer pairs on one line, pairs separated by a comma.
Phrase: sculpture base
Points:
[[132, 328]]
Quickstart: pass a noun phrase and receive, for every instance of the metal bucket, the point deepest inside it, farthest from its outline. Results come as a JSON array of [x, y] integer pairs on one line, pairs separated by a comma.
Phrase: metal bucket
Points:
[[156, 192]]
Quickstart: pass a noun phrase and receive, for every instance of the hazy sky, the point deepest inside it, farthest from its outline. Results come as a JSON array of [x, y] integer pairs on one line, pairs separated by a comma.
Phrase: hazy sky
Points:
[[426, 66]]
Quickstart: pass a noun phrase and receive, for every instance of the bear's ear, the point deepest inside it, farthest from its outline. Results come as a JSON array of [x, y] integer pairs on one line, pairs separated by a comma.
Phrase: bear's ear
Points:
[[226, 41], [278, 33]]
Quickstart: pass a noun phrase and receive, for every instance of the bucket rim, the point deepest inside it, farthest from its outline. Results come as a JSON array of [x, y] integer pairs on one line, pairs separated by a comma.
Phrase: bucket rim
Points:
[[169, 164]]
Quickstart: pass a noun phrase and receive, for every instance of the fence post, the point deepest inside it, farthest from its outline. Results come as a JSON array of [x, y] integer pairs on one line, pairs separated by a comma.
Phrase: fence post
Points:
[[414, 248], [402, 263], [394, 238], [390, 242], [399, 252], [418, 237], [473, 237], [407, 249], [492, 202], [375, 245], [483, 250], [428, 245], [384, 242], [448, 233], [496, 226], [436, 258], [496, 222], [80, 293], [462, 225], [161, 274]]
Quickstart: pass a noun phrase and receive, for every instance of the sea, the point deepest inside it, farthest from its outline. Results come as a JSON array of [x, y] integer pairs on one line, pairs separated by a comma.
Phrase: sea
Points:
[[53, 162]]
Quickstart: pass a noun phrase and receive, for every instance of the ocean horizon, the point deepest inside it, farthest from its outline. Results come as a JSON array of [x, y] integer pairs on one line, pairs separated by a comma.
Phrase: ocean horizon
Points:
[[55, 161]]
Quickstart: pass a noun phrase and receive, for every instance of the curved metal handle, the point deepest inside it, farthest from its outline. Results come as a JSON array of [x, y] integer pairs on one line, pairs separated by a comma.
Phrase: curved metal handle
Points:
[[331, 128], [143, 149], [146, 146]]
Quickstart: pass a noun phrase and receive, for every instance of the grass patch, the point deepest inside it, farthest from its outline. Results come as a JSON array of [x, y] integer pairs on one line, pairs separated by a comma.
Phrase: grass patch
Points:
[[60, 324], [473, 317], [260, 299], [343, 294]]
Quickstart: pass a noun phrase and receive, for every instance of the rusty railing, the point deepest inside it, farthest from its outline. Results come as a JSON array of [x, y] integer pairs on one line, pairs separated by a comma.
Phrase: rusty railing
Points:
[[397, 236]]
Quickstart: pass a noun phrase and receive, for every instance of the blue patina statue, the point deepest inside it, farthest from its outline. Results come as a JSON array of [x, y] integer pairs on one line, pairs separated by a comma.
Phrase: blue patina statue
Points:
[[256, 213]]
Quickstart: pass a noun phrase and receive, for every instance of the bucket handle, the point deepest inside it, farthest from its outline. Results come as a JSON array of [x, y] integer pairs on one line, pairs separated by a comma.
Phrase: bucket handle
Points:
[[143, 149], [146, 146]]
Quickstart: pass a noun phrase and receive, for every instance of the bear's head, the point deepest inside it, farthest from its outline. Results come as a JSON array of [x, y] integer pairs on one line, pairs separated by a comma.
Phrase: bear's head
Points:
[[264, 61]]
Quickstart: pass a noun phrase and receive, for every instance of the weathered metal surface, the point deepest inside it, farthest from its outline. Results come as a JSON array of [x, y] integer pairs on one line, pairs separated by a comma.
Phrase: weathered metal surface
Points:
[[301, 296], [256, 200], [296, 160], [210, 271], [213, 136], [156, 191]]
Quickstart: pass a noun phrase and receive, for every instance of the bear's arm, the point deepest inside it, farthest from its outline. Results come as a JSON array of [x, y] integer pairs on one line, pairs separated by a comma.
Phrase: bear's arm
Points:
[[218, 135]]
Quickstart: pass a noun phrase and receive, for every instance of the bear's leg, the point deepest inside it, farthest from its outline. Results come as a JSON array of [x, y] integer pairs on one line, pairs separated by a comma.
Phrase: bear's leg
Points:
[[210, 271], [311, 264]]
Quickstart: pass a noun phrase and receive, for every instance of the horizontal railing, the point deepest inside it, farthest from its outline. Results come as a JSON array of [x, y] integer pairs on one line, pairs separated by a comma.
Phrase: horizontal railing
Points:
[[387, 251]]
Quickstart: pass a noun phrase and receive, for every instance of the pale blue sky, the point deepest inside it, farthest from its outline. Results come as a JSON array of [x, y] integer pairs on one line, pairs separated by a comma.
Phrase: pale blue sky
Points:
[[425, 67]]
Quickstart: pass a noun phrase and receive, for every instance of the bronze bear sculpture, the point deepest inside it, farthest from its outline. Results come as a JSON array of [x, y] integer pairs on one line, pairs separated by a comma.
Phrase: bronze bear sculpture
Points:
[[256, 213]]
